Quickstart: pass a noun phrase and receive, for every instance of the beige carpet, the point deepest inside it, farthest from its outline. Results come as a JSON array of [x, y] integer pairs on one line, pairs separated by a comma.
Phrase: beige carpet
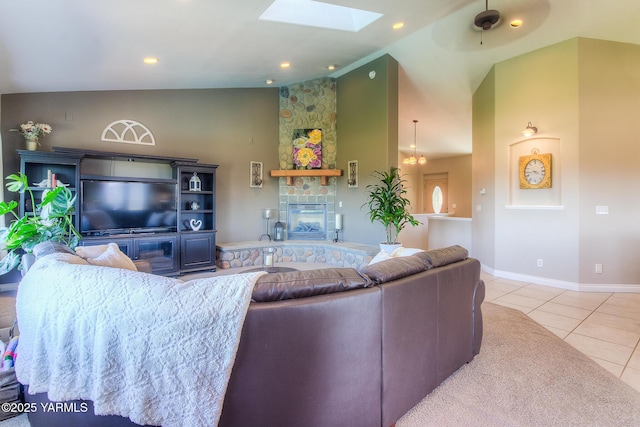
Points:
[[526, 376]]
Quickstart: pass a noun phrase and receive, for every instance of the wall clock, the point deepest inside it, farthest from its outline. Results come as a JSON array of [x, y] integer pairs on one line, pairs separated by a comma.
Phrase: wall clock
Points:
[[535, 170]]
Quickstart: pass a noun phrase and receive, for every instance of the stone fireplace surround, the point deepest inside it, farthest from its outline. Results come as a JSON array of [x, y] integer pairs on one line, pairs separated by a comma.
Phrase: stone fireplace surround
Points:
[[247, 254]]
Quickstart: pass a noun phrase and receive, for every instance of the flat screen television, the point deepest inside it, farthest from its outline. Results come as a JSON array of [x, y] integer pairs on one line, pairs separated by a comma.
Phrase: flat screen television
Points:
[[127, 206]]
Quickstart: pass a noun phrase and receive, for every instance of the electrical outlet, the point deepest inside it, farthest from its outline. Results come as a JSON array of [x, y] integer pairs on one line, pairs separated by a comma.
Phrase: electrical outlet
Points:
[[478, 208], [598, 268], [540, 263]]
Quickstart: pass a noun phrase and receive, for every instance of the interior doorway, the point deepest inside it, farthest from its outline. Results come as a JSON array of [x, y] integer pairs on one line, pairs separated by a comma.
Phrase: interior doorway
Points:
[[435, 190]]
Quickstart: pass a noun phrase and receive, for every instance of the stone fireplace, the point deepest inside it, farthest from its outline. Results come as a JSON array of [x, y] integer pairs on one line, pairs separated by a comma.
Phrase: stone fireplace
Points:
[[308, 105], [307, 221]]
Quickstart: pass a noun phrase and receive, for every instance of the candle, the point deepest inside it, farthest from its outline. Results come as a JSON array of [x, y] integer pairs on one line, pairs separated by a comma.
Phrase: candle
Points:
[[338, 221], [267, 213], [268, 259]]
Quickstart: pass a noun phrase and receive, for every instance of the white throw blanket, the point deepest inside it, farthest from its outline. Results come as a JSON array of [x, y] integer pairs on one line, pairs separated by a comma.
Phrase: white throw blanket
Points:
[[154, 349]]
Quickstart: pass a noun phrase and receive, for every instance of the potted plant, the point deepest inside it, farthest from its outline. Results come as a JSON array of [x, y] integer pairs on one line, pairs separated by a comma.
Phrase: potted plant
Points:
[[51, 220], [388, 205]]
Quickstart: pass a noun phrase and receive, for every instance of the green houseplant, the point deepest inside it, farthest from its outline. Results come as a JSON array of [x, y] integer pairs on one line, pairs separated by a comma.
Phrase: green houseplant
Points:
[[51, 220], [388, 205]]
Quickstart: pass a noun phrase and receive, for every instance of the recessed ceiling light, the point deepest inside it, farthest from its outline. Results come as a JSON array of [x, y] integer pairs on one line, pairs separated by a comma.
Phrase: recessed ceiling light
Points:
[[398, 25], [319, 14], [285, 65], [331, 67], [269, 81], [150, 60], [515, 23]]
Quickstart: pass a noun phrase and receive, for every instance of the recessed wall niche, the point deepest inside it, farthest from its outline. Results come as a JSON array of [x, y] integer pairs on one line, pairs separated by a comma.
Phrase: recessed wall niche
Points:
[[535, 198]]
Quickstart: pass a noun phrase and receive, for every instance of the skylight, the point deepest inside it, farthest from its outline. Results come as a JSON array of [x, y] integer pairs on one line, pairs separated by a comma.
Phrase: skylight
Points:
[[317, 14]]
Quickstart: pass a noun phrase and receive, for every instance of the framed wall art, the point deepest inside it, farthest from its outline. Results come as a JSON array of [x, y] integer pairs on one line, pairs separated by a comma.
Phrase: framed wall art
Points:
[[352, 174], [255, 175]]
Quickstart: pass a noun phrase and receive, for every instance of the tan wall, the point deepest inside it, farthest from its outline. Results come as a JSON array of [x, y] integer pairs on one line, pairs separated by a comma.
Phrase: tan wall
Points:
[[367, 132], [584, 94], [229, 127], [483, 166], [609, 172], [540, 87]]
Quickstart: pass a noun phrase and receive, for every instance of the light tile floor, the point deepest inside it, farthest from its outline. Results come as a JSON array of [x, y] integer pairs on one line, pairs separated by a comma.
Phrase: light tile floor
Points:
[[604, 326]]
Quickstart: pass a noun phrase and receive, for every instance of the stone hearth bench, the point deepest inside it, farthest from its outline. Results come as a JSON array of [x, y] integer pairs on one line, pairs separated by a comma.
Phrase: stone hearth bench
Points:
[[342, 254]]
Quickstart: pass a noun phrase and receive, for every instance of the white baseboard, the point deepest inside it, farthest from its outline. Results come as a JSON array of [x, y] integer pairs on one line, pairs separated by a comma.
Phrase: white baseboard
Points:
[[561, 284]]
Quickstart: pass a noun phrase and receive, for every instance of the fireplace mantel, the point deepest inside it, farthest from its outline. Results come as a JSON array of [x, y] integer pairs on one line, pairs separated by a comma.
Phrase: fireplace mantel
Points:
[[324, 174]]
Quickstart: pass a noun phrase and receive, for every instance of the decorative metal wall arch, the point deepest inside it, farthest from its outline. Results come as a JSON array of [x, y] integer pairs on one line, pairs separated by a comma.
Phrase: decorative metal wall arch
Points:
[[128, 132]]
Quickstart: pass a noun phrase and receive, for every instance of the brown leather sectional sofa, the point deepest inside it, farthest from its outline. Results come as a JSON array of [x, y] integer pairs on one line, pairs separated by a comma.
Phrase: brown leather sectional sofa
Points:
[[340, 347]]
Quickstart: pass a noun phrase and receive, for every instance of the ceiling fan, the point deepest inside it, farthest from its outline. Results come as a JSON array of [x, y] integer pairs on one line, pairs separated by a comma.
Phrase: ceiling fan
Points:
[[487, 19]]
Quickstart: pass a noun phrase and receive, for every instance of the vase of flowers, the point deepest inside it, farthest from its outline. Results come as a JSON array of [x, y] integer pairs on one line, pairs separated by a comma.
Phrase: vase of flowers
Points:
[[32, 132]]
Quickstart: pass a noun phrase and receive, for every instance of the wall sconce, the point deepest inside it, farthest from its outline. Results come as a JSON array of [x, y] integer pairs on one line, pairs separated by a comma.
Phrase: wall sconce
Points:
[[255, 175], [352, 174], [530, 130], [412, 160]]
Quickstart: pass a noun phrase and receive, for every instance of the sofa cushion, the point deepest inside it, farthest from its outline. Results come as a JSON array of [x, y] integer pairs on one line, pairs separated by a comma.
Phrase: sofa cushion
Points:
[[400, 252], [307, 283], [106, 256], [395, 268], [443, 256]]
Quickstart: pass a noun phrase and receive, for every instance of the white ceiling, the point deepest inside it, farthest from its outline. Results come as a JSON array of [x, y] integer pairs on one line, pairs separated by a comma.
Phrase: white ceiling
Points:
[[74, 45]]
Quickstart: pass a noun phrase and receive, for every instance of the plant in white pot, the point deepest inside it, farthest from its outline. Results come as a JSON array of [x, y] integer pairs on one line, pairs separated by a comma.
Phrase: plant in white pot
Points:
[[388, 205], [51, 220]]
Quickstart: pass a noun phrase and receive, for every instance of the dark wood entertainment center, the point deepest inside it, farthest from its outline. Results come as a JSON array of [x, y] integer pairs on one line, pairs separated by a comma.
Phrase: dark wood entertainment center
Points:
[[172, 250]]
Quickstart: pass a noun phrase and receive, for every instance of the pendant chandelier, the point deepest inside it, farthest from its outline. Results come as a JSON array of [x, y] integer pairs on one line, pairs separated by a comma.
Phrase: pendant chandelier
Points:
[[413, 160]]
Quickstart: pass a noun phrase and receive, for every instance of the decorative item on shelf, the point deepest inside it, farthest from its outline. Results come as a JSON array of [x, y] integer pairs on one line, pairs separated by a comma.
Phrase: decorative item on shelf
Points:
[[388, 205], [413, 160], [266, 215], [535, 170], [352, 174], [307, 148], [268, 258], [278, 232], [255, 175], [48, 183], [195, 224], [32, 132], [338, 227], [194, 183], [530, 130], [195, 206]]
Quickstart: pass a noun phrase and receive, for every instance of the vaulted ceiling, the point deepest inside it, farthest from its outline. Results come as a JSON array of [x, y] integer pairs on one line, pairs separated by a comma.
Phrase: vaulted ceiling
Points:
[[68, 45]]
